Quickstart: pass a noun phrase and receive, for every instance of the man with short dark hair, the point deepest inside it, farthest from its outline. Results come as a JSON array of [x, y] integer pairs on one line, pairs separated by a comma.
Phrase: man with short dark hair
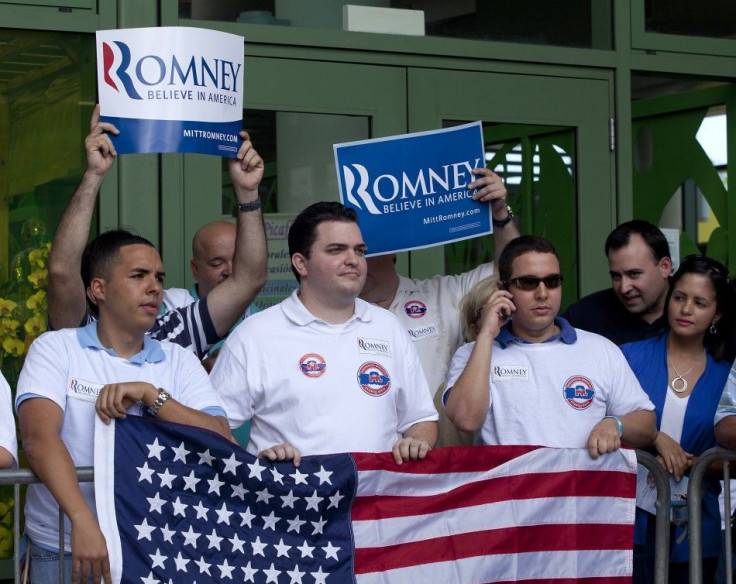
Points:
[[640, 266], [531, 378], [109, 368], [198, 325], [323, 371]]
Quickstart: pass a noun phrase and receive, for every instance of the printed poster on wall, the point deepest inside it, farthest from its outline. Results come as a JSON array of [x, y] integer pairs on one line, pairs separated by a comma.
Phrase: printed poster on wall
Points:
[[411, 191], [280, 282], [171, 89]]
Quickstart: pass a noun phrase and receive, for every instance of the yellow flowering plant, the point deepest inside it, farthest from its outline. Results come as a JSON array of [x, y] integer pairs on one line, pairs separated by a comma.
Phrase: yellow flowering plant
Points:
[[22, 319], [23, 309]]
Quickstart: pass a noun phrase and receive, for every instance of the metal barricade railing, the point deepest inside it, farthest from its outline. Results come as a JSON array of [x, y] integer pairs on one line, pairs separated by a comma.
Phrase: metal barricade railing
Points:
[[695, 504], [25, 476], [664, 506]]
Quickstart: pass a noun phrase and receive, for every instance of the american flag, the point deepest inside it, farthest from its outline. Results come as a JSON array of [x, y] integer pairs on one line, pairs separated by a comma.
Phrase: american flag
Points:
[[180, 504]]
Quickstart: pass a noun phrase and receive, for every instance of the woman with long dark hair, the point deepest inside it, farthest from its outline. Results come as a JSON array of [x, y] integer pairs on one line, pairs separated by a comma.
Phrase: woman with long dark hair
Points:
[[684, 371]]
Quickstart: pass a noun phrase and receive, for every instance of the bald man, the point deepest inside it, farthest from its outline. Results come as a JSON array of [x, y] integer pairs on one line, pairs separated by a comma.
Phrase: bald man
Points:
[[213, 248]]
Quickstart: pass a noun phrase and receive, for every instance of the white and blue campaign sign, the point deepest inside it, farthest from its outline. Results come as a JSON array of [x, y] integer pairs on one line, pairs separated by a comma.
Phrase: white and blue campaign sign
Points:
[[411, 191], [171, 89]]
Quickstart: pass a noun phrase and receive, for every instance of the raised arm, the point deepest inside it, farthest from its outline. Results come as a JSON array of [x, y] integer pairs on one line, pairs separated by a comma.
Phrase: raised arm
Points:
[[40, 425], [490, 189], [229, 299], [67, 301]]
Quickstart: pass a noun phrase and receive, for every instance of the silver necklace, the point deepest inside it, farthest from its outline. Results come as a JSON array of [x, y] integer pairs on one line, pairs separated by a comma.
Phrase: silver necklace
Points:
[[678, 377]]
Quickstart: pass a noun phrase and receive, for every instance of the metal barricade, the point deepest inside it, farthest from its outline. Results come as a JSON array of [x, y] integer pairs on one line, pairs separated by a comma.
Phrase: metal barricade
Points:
[[25, 476], [695, 503], [664, 506]]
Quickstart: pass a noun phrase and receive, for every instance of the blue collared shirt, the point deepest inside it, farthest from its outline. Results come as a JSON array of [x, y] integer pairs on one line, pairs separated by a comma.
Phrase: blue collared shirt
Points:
[[151, 352], [567, 334]]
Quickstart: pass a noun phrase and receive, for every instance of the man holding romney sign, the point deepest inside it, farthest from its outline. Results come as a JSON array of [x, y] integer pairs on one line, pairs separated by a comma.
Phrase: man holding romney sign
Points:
[[196, 326], [170, 89], [436, 184]]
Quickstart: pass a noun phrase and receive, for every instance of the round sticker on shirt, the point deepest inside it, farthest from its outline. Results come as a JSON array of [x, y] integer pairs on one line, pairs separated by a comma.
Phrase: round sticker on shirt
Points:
[[415, 309], [373, 379], [578, 392], [312, 365]]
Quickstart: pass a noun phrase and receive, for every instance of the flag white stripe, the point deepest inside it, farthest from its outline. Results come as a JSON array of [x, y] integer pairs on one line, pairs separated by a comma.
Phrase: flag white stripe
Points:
[[104, 484], [512, 567], [500, 515], [380, 482]]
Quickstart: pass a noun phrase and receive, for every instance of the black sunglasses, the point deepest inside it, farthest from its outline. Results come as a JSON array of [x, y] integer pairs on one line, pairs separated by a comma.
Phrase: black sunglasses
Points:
[[531, 282]]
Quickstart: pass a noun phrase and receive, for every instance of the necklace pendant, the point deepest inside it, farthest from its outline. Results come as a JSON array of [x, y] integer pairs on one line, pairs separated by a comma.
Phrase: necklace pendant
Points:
[[682, 388]]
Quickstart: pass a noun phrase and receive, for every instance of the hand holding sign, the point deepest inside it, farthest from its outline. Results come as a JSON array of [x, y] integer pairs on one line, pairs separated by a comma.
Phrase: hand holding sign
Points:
[[246, 171], [489, 188], [98, 145]]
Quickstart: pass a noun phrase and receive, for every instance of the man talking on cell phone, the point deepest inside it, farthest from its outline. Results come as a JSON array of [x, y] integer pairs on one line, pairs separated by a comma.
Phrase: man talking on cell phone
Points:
[[531, 378]]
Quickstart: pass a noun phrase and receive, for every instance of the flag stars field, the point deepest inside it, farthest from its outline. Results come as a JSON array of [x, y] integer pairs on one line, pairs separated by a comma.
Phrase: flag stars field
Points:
[[235, 517]]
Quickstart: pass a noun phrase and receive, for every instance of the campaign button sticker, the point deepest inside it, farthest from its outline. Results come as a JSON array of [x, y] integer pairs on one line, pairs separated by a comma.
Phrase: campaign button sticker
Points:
[[373, 379], [313, 365], [579, 392], [415, 309]]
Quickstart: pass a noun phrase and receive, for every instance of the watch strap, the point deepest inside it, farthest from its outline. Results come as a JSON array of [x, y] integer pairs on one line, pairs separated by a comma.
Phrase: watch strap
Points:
[[250, 206], [500, 223], [162, 398]]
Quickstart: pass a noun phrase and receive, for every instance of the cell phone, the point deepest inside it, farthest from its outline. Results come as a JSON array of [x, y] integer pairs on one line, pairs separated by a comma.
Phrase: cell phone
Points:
[[503, 313]]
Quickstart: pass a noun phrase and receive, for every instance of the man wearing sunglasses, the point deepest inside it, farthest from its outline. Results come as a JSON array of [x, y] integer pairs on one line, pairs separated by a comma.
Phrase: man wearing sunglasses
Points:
[[531, 378], [640, 267]]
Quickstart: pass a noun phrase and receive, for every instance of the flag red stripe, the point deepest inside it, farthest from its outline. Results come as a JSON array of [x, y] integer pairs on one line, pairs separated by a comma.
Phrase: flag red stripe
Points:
[[512, 540], [525, 486], [454, 459]]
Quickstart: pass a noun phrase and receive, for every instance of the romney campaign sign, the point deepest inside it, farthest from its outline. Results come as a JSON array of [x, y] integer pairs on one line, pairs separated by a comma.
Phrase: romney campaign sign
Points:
[[171, 89], [411, 191]]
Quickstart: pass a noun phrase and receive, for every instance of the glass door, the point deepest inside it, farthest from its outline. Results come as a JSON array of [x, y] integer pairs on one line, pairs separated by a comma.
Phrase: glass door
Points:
[[549, 139]]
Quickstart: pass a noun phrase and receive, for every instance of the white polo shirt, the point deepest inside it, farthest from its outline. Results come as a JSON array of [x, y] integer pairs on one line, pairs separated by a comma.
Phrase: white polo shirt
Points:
[[352, 387], [8, 439], [429, 312], [553, 393], [69, 367]]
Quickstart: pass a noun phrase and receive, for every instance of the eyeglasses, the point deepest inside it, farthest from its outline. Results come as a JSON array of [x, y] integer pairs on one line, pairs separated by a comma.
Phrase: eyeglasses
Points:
[[531, 282]]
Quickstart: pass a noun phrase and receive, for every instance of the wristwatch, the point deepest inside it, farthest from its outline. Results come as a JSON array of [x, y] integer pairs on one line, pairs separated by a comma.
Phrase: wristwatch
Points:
[[504, 222], [251, 206], [163, 396]]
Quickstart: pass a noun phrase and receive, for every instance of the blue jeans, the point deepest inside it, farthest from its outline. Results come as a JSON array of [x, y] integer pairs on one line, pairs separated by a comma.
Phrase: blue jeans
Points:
[[45, 566]]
